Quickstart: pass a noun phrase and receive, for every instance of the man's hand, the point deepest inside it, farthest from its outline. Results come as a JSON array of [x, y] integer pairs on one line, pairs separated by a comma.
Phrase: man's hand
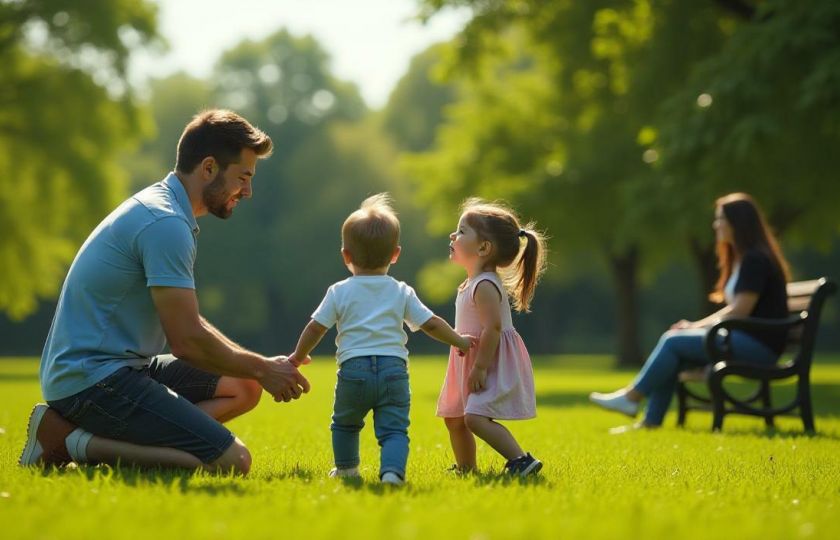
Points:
[[477, 380], [298, 361], [467, 342], [283, 380]]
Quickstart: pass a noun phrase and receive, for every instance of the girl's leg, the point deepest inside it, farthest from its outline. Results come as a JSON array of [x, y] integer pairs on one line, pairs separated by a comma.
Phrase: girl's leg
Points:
[[463, 443], [494, 434]]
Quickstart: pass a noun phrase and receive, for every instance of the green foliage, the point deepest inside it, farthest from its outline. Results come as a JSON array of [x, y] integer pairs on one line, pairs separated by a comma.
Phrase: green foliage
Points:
[[62, 127], [671, 483], [762, 117], [415, 107]]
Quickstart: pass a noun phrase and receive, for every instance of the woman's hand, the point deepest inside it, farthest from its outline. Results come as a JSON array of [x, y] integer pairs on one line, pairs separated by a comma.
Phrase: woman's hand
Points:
[[682, 325], [477, 380]]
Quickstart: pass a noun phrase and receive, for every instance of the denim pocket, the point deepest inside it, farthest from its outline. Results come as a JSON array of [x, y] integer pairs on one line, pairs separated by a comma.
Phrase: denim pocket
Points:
[[349, 392], [399, 392], [91, 417]]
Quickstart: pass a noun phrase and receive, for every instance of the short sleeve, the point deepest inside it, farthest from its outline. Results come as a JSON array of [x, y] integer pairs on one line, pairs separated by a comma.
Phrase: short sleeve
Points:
[[326, 314], [168, 250], [753, 274], [416, 313]]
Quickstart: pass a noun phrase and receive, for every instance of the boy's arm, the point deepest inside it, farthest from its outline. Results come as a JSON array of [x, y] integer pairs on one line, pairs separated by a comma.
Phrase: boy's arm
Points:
[[440, 330], [309, 338]]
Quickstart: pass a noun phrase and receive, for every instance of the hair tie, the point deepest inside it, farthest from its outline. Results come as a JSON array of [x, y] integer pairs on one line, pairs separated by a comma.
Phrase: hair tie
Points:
[[522, 233]]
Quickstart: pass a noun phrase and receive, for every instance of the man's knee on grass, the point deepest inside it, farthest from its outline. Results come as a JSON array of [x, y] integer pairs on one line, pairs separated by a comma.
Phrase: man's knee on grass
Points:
[[236, 458]]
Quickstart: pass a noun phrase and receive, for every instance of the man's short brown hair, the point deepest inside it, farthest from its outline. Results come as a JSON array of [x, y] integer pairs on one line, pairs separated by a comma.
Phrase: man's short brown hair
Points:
[[221, 134], [371, 234]]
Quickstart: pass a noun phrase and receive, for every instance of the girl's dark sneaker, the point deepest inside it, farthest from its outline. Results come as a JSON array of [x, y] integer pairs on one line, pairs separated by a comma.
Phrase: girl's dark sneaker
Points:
[[526, 465]]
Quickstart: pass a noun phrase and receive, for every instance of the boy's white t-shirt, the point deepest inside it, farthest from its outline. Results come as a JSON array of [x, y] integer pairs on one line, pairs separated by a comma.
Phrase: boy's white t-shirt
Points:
[[369, 312]]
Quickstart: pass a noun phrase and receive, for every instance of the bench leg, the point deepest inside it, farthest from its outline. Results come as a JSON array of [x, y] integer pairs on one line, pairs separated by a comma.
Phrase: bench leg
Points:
[[805, 408], [766, 402], [681, 404], [716, 393]]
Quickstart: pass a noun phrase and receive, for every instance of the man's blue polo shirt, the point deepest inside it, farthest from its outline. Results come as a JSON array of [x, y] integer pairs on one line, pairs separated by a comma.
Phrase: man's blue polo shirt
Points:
[[105, 318]]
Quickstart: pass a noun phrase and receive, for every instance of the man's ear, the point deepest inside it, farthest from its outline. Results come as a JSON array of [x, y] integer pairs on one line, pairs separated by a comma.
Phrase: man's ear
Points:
[[208, 167], [396, 254]]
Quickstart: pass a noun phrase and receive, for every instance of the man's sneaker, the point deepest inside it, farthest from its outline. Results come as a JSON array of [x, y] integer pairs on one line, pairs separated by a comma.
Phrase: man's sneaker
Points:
[[616, 401], [45, 438], [392, 478], [352, 472], [523, 466]]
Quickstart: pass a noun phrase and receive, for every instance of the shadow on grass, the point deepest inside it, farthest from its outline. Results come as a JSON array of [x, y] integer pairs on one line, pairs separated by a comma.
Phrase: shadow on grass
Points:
[[479, 479], [501, 479], [297, 472], [185, 480], [561, 399]]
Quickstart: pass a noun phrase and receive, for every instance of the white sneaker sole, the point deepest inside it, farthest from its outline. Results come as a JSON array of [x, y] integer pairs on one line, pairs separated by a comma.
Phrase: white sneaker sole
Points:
[[28, 456], [533, 468]]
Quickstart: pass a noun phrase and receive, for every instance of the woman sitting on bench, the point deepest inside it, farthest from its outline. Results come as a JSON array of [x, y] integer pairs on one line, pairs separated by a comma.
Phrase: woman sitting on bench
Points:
[[752, 282]]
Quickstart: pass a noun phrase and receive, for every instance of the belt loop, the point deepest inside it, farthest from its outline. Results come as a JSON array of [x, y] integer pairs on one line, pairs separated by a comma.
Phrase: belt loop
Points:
[[373, 364]]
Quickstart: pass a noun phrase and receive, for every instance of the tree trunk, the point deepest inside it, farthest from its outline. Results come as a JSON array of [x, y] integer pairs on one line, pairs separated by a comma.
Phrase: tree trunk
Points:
[[705, 262], [625, 268]]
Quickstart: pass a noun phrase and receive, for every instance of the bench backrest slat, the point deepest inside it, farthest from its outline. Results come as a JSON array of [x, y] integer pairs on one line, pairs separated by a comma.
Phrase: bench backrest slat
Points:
[[806, 296]]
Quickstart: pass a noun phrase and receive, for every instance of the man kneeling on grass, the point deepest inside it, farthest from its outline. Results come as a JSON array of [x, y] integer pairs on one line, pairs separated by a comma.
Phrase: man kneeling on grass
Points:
[[112, 395]]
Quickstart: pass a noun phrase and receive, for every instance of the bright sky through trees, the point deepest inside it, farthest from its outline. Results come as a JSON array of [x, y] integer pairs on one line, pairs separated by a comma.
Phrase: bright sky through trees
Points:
[[370, 41]]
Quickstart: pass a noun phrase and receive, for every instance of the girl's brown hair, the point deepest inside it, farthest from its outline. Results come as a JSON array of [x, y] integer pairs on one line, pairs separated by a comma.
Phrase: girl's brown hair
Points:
[[750, 231], [496, 223]]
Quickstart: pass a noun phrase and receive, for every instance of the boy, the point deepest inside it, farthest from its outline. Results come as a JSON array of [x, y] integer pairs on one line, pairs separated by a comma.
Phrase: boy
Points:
[[368, 310]]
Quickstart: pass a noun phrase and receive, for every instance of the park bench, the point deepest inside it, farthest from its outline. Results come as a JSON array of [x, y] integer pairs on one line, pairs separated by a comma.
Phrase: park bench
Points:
[[805, 303]]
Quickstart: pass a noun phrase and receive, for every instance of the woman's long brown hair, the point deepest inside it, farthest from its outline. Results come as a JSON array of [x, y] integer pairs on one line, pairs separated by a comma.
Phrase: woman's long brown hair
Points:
[[750, 231]]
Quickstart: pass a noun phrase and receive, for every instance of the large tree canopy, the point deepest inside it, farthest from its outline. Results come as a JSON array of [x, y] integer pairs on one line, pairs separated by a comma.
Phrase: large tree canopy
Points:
[[65, 116]]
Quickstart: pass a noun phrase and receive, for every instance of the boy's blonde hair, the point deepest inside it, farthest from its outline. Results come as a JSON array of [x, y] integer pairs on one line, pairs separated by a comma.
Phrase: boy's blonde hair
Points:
[[371, 234]]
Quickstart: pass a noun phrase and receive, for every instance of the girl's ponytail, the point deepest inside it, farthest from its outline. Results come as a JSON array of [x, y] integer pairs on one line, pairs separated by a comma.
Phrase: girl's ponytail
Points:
[[529, 268]]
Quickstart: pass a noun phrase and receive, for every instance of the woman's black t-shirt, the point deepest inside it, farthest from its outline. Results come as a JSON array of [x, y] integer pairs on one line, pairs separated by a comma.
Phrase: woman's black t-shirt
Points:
[[760, 275]]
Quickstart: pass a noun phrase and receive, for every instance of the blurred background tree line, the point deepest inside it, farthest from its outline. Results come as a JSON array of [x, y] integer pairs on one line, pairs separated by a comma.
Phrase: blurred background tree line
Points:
[[613, 123]]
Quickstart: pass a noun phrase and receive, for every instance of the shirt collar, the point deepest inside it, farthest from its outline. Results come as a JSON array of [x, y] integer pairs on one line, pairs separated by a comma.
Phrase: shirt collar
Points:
[[174, 184]]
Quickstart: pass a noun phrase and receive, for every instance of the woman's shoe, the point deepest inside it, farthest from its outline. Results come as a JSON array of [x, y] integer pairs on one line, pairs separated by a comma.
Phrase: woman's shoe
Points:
[[616, 401]]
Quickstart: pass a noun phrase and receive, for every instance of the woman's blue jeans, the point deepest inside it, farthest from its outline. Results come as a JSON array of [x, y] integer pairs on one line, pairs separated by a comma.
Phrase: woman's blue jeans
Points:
[[681, 349]]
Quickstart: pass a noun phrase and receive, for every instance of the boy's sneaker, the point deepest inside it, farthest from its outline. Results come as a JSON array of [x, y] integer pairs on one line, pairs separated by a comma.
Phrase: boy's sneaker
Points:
[[352, 472], [392, 478], [523, 466], [45, 438]]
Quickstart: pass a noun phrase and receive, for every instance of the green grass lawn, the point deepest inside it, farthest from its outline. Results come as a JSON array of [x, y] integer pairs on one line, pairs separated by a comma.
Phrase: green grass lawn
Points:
[[681, 483]]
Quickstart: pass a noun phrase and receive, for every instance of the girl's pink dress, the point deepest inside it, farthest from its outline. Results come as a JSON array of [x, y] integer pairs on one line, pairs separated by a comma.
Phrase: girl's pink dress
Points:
[[509, 392]]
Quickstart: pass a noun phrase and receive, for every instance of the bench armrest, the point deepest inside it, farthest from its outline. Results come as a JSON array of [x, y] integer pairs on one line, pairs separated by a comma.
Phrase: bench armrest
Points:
[[714, 351]]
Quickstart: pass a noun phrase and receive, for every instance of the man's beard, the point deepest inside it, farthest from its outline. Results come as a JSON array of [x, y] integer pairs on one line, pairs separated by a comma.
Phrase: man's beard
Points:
[[216, 197]]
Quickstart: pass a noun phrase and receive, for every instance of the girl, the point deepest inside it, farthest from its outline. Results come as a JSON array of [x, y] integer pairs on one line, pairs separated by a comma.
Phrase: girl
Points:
[[494, 381], [752, 283]]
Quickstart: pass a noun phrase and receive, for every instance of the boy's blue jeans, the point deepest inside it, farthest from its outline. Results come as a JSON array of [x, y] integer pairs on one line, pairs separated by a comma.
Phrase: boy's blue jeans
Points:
[[680, 349], [380, 384]]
